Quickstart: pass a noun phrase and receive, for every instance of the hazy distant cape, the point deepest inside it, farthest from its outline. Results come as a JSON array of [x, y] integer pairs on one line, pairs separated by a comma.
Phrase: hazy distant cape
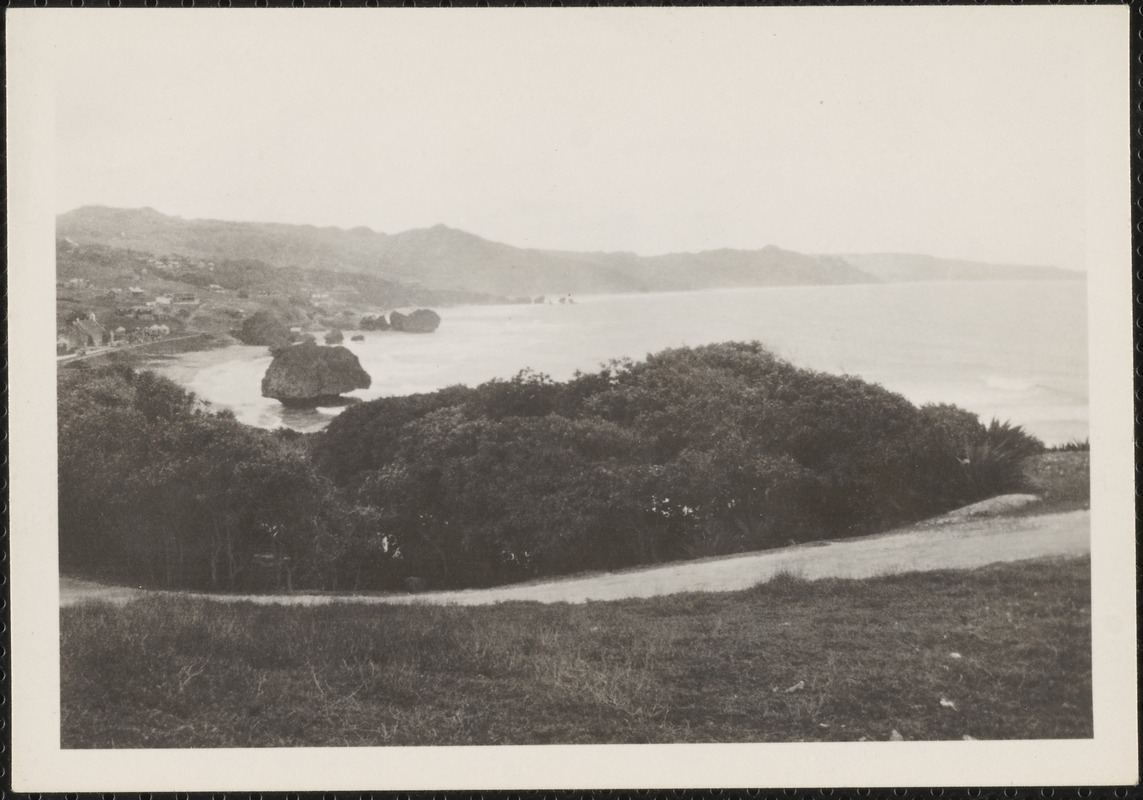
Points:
[[445, 258], [900, 267]]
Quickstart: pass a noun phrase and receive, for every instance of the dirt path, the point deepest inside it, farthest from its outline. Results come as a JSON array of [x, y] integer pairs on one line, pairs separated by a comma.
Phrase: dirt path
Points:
[[946, 543]]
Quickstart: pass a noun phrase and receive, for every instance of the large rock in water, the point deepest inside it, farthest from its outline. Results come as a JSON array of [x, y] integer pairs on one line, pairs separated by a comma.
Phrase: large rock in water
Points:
[[422, 320], [310, 375]]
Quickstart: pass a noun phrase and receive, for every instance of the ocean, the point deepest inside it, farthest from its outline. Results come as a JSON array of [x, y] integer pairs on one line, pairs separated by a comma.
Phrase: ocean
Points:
[[1013, 350]]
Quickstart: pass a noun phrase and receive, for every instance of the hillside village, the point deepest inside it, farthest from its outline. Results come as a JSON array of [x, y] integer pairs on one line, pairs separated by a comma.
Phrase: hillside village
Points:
[[114, 298]]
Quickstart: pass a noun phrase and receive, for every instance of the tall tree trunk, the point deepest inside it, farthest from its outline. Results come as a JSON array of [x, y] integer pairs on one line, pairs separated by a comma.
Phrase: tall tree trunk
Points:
[[215, 551], [231, 558]]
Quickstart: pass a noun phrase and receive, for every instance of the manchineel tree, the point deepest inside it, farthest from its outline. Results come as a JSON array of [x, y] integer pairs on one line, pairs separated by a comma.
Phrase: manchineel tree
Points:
[[691, 452]]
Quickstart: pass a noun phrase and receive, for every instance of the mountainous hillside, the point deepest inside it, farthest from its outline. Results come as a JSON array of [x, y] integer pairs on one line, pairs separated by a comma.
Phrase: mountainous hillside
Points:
[[897, 267], [443, 258]]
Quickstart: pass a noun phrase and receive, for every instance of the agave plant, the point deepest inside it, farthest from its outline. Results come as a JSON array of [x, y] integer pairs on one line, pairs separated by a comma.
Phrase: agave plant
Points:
[[994, 464]]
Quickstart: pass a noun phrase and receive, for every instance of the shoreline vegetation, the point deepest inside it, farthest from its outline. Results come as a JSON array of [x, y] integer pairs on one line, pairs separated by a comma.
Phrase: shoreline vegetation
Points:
[[691, 453]]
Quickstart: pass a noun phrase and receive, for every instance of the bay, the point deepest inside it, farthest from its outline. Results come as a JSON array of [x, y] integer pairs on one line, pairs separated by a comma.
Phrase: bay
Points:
[[1013, 350]]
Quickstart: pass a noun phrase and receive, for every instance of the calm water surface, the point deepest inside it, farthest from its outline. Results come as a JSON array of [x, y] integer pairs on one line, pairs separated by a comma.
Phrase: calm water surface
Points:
[[1014, 350]]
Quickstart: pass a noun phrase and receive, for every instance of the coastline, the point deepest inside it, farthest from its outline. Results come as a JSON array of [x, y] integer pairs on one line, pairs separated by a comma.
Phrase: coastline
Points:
[[942, 348]]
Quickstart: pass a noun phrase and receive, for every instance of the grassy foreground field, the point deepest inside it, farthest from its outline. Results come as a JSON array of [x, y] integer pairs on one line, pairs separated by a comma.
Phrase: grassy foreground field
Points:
[[1002, 652]]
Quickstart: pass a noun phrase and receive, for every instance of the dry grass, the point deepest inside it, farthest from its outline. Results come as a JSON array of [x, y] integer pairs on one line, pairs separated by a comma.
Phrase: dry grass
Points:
[[1008, 646]]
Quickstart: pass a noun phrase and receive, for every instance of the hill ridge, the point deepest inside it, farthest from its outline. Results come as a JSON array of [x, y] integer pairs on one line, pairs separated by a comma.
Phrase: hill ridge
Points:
[[442, 257]]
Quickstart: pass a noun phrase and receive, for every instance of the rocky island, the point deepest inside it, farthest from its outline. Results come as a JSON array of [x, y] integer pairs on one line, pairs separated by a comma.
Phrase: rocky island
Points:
[[309, 375], [423, 320]]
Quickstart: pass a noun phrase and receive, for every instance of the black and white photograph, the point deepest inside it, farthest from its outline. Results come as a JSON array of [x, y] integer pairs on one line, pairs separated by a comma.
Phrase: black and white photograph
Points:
[[542, 398]]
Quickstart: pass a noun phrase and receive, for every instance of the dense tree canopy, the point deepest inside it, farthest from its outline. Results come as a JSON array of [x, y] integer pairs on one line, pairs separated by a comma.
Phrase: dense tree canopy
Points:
[[156, 489], [689, 453]]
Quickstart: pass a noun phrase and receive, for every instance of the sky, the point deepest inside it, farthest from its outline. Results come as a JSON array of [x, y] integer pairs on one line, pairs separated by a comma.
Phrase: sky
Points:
[[956, 132]]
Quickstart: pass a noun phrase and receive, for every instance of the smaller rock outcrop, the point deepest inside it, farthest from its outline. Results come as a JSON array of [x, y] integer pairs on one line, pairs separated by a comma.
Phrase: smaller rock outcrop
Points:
[[422, 320], [378, 323], [310, 375], [357, 338]]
